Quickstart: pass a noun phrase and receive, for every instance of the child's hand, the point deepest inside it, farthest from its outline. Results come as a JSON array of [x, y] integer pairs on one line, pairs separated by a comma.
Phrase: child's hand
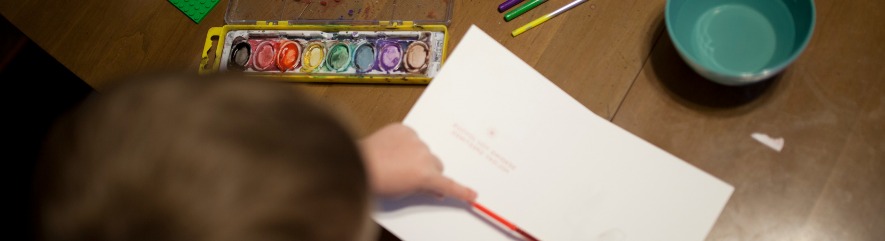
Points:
[[399, 164]]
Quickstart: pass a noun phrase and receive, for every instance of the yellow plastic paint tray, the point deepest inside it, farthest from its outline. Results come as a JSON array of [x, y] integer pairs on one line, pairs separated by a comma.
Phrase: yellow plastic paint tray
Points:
[[331, 41]]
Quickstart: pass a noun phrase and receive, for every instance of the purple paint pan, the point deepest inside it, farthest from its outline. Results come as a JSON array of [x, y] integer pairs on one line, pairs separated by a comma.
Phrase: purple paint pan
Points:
[[390, 55]]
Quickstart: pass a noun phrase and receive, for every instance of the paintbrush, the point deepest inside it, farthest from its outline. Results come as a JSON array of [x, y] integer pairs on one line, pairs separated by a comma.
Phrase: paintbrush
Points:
[[303, 34], [270, 34], [501, 220], [375, 34]]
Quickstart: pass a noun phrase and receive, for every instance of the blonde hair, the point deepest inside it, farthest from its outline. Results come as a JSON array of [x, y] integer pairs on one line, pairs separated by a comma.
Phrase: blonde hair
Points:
[[197, 158]]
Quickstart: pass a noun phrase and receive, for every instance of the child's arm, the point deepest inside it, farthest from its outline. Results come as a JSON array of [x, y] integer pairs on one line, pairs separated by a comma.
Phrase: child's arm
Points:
[[399, 164]]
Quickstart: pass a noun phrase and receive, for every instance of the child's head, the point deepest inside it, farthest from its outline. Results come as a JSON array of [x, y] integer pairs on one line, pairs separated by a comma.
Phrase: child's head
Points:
[[180, 158]]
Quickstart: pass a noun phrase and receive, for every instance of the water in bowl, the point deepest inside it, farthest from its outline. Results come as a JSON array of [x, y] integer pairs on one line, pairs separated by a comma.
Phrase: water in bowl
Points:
[[738, 38]]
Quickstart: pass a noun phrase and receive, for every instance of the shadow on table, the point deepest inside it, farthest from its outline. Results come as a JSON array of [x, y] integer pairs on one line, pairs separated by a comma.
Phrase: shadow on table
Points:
[[37, 89], [690, 89], [425, 200]]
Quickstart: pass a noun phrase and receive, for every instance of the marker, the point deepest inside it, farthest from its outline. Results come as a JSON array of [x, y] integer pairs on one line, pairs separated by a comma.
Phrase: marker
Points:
[[540, 20], [502, 221], [522, 9], [508, 4]]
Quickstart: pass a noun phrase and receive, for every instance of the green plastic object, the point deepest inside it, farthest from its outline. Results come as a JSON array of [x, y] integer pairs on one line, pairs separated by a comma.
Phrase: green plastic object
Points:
[[195, 9], [738, 42], [522, 9]]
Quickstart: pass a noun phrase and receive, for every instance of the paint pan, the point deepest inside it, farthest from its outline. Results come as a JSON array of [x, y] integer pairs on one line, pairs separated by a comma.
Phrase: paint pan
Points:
[[240, 54], [264, 56], [364, 57], [412, 54], [313, 56], [288, 56], [338, 59], [390, 55], [416, 58]]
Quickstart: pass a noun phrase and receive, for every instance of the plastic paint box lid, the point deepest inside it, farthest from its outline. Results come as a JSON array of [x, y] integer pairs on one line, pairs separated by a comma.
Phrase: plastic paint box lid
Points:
[[340, 12]]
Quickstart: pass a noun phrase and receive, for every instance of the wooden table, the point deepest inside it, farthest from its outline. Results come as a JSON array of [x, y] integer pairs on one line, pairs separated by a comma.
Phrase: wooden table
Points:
[[613, 56]]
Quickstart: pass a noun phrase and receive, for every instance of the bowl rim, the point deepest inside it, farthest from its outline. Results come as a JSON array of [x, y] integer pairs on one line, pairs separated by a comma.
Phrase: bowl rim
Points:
[[765, 71]]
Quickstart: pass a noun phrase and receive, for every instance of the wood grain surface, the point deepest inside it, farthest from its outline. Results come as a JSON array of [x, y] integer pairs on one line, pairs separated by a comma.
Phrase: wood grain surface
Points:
[[595, 57], [614, 57], [828, 183]]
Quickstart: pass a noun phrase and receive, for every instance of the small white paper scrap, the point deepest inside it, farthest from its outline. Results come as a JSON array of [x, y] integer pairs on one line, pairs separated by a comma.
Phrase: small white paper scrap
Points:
[[775, 143]]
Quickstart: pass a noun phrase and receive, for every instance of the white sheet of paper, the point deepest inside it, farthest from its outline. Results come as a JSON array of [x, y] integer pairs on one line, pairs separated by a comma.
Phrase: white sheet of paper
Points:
[[543, 161]]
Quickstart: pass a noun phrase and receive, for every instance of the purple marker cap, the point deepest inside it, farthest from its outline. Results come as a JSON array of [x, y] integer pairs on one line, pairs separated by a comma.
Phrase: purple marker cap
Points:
[[508, 4]]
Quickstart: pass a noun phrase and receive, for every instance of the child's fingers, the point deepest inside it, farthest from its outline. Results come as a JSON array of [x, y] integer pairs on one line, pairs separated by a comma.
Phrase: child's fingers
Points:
[[436, 163], [448, 187], [432, 194]]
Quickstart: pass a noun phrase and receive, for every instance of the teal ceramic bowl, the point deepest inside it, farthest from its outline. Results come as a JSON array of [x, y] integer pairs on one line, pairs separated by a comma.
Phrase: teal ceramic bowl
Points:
[[739, 42]]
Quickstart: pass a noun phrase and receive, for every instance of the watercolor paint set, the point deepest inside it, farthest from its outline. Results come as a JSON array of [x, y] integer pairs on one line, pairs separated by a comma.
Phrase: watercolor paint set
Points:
[[305, 41], [370, 53]]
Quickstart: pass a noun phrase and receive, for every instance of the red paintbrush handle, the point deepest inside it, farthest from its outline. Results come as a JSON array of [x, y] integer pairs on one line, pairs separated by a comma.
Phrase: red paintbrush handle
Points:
[[502, 221], [495, 216]]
